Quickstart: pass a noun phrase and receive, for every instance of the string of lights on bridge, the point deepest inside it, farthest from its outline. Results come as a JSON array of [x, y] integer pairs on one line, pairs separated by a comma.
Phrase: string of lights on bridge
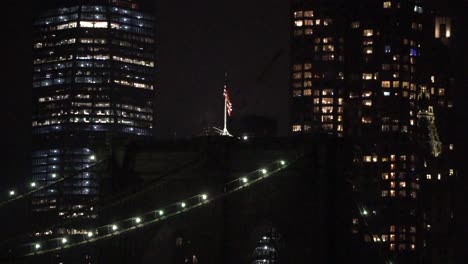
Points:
[[33, 186], [154, 216]]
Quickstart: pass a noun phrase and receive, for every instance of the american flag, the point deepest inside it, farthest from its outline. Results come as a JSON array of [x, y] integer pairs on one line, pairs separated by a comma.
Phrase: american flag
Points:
[[228, 102]]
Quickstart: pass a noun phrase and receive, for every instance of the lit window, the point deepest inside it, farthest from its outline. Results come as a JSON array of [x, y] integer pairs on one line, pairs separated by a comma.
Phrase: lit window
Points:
[[368, 32], [298, 14], [388, 49], [298, 23], [366, 120], [418, 9], [308, 13], [441, 92], [327, 21], [67, 26], [368, 50], [93, 24], [355, 24], [327, 118], [307, 92], [296, 128], [297, 67], [326, 92], [387, 4], [385, 84], [329, 48], [367, 76]]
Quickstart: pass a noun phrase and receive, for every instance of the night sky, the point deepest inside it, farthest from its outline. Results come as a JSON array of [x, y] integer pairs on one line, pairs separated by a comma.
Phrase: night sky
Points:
[[197, 42]]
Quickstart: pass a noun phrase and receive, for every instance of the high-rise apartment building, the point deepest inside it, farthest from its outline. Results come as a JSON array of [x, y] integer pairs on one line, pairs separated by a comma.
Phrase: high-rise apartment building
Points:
[[378, 73], [93, 79]]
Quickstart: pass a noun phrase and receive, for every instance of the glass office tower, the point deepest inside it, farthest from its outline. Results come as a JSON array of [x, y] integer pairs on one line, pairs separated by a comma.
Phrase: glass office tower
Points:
[[93, 80]]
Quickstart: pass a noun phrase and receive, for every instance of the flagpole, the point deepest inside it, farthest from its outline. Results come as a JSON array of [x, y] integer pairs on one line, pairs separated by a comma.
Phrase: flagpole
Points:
[[225, 131]]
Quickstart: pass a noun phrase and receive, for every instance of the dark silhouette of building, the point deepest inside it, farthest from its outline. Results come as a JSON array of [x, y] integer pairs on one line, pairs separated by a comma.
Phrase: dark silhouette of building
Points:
[[382, 74]]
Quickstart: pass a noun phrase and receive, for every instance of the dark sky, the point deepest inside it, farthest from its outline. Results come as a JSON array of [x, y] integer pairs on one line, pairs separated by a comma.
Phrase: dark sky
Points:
[[200, 40]]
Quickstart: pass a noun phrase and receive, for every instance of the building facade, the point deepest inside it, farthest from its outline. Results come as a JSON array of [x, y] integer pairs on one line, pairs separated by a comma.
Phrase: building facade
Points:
[[93, 79], [378, 73]]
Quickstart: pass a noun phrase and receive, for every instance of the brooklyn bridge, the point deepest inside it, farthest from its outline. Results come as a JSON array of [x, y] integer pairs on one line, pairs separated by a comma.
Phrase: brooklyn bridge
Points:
[[205, 200]]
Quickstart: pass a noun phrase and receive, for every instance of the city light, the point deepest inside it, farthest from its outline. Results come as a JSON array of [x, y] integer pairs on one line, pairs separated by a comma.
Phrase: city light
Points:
[[181, 205], [33, 184], [92, 157], [12, 193], [283, 162], [54, 175], [37, 246], [245, 138]]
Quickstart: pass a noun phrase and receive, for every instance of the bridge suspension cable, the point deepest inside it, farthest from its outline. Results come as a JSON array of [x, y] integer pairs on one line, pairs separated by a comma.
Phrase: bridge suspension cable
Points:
[[113, 201], [156, 215], [34, 187]]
